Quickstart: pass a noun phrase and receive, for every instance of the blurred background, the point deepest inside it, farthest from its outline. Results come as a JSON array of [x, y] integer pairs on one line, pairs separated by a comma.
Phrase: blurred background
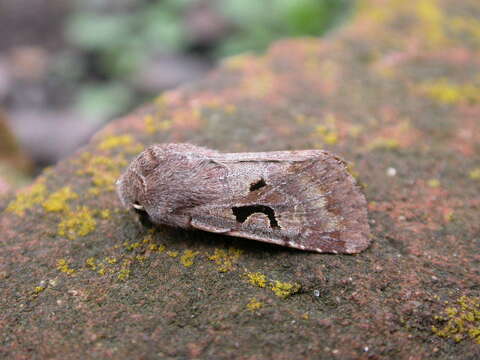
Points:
[[67, 67]]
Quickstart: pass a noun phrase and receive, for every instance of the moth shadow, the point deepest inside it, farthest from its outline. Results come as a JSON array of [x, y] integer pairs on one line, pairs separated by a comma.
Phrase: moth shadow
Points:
[[204, 240], [211, 241]]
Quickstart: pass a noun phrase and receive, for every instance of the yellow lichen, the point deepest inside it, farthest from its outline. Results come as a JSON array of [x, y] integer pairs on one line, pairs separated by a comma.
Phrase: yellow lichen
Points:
[[225, 259], [449, 215], [172, 253], [327, 131], [112, 142], [77, 223], [27, 199], [331, 138], [230, 109], [38, 289], [62, 265], [446, 92], [355, 130], [260, 85], [102, 269], [132, 246], [124, 272], [148, 239], [257, 279], [104, 171], [285, 289], [91, 264], [469, 25], [383, 144], [105, 214], [149, 124], [58, 200], [460, 321], [110, 260], [432, 22], [433, 183], [153, 125], [474, 174], [187, 258], [351, 170], [254, 304]]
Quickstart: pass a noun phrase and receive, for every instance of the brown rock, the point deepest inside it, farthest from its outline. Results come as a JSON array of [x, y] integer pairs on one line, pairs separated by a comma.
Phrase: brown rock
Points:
[[395, 90]]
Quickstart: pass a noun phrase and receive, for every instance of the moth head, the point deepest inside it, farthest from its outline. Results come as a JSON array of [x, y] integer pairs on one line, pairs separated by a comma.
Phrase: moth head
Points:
[[131, 189]]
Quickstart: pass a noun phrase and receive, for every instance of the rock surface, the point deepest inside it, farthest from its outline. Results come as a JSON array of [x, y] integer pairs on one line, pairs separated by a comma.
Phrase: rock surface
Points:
[[396, 93]]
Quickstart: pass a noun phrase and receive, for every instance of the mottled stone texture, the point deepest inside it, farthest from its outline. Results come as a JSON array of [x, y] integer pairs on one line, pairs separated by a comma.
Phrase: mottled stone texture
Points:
[[396, 93]]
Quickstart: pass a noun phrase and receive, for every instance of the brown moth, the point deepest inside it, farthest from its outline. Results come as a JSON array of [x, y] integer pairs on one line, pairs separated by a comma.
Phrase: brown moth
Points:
[[302, 199]]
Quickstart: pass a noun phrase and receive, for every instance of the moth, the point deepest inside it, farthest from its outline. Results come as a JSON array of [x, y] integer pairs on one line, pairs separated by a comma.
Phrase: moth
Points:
[[302, 199]]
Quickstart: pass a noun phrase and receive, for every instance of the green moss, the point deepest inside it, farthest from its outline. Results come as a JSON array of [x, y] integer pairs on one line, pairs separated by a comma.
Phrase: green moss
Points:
[[28, 198], [257, 279], [225, 259], [77, 223], [460, 320], [187, 258], [285, 289], [58, 200]]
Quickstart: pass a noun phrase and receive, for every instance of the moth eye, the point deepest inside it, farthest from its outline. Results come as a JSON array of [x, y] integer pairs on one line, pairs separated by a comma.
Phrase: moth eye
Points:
[[257, 184]]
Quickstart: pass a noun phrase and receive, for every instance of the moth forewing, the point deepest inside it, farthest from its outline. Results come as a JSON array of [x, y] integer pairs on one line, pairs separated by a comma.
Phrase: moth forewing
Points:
[[301, 199]]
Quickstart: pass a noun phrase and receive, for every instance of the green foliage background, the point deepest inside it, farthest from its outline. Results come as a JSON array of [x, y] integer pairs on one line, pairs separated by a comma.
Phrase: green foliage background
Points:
[[122, 41]]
